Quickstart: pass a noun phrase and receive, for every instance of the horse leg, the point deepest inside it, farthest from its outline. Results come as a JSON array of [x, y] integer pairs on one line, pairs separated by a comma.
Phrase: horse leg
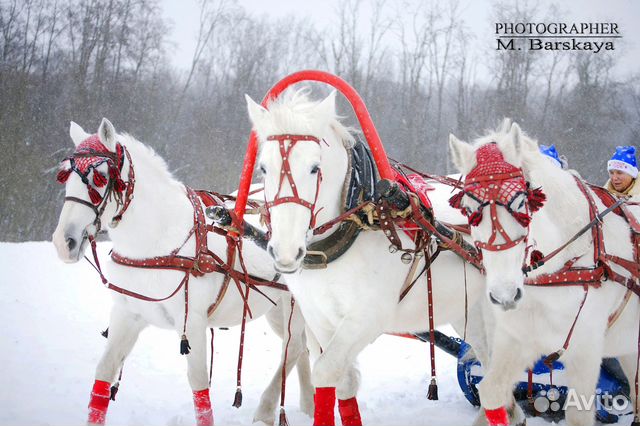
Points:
[[334, 365], [347, 402], [197, 369], [507, 362], [124, 329], [582, 370], [278, 319]]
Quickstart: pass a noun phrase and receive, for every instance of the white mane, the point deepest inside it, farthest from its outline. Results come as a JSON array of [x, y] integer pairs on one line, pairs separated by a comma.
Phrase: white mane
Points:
[[144, 156]]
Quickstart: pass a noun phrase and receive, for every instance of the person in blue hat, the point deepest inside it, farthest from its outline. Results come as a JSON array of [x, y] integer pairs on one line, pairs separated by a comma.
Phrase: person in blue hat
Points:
[[623, 172], [552, 153]]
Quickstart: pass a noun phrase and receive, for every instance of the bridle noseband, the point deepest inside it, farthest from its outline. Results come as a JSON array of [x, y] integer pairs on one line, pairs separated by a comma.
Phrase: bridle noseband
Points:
[[88, 156], [494, 182], [285, 173]]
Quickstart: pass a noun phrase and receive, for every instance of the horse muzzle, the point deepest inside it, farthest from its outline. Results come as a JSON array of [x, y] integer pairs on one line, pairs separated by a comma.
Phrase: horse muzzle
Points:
[[69, 247], [506, 302], [286, 261]]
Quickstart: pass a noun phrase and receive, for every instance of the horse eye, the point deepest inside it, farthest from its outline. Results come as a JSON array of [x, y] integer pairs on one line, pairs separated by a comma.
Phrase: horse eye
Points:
[[315, 169], [263, 170]]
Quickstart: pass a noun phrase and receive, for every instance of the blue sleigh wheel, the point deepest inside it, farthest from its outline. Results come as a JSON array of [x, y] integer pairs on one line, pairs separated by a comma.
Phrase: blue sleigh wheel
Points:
[[612, 393]]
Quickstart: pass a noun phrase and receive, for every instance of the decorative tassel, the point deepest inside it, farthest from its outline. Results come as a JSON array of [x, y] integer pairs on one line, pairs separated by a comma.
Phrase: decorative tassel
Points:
[[283, 418], [237, 400], [114, 391], [105, 333], [99, 179], [536, 198], [63, 175], [550, 359], [113, 172], [119, 185], [522, 218], [432, 393], [456, 200], [475, 218], [184, 345], [536, 256], [95, 196], [636, 421]]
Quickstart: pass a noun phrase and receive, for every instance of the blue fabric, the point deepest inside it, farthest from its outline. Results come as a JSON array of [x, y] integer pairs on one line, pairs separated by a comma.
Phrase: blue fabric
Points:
[[550, 151]]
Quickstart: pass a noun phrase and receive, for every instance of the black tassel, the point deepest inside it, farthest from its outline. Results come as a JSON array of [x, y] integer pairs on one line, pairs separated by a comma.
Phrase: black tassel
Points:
[[237, 400], [432, 394], [105, 333], [283, 418], [636, 421], [184, 345], [114, 391]]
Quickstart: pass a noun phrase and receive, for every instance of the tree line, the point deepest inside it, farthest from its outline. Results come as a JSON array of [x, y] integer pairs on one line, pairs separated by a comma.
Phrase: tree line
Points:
[[411, 61]]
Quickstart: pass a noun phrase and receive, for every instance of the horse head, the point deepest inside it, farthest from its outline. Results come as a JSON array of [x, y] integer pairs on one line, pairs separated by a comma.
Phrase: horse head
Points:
[[498, 203], [95, 189], [302, 173]]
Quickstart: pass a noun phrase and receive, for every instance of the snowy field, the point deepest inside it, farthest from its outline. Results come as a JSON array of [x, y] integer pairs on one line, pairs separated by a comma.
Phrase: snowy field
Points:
[[52, 315]]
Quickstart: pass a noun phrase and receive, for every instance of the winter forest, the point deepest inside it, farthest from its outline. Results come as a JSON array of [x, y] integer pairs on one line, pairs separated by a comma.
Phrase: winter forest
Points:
[[82, 60]]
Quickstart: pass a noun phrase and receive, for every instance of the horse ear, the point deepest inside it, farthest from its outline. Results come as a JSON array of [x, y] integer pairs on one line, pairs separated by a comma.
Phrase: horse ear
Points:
[[78, 135], [516, 136], [107, 134], [461, 154], [327, 108], [256, 111], [505, 126]]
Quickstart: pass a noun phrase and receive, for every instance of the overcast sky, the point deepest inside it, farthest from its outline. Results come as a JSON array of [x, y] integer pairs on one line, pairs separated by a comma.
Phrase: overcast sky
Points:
[[183, 14]]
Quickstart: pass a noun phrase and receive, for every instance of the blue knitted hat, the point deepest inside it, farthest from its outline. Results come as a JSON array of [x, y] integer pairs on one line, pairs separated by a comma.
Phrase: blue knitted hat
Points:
[[624, 160], [551, 152]]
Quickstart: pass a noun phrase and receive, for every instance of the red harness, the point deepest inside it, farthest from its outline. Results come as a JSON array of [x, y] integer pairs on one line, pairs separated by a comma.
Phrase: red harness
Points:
[[285, 173]]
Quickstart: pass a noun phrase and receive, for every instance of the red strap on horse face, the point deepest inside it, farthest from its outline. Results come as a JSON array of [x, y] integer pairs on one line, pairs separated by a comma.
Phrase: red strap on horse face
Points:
[[495, 182], [286, 173]]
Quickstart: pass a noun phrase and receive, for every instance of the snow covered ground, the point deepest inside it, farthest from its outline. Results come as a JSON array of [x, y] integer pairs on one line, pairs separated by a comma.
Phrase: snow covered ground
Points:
[[52, 315]]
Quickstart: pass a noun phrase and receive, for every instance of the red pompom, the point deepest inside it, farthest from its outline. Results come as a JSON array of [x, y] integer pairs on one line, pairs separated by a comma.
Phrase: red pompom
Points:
[[522, 218], [63, 175], [536, 199], [475, 218], [119, 185], [536, 256], [456, 200], [99, 179], [94, 196]]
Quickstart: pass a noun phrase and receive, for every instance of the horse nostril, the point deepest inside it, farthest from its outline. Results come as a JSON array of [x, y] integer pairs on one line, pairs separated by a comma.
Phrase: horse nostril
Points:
[[518, 295], [271, 252], [300, 253], [494, 300], [71, 243]]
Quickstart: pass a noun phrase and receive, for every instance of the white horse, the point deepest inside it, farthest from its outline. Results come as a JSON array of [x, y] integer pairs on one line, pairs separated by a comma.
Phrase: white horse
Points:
[[354, 299], [544, 316], [158, 221]]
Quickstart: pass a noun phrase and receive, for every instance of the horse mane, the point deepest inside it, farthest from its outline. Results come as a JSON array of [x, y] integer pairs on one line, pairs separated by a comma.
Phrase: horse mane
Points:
[[153, 163], [294, 112]]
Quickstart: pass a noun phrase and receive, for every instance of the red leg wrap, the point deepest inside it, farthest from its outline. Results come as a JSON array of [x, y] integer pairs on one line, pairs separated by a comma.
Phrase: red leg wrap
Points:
[[99, 402], [349, 412], [325, 401], [202, 404], [497, 417]]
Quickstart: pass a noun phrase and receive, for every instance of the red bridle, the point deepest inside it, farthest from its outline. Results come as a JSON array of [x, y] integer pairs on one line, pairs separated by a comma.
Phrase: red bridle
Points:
[[495, 182], [285, 173]]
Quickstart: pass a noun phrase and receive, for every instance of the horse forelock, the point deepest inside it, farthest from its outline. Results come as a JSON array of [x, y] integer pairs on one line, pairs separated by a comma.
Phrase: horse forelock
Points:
[[295, 113]]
